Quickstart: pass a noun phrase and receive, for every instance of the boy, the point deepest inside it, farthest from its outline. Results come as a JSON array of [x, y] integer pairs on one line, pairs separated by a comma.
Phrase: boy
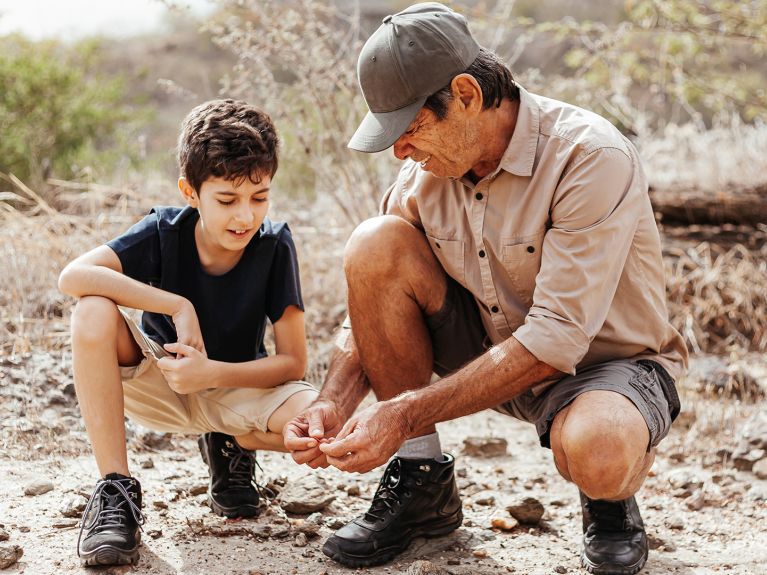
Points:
[[206, 277]]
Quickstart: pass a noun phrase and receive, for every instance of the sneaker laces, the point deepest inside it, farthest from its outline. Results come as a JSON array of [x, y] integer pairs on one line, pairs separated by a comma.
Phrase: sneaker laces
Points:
[[387, 497], [242, 470], [113, 512]]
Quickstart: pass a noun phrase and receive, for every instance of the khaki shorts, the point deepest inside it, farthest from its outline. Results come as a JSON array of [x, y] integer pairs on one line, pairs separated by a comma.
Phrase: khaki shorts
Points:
[[150, 401]]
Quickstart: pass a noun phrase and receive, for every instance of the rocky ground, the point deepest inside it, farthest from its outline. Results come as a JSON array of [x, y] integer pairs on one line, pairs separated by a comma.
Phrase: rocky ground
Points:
[[705, 503]]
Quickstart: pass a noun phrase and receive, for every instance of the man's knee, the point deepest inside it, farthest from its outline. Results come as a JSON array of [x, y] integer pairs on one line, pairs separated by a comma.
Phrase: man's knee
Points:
[[95, 319], [604, 450], [380, 243]]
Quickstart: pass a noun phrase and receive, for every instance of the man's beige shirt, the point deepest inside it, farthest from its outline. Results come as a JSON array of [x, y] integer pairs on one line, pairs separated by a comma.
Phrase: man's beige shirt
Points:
[[559, 245]]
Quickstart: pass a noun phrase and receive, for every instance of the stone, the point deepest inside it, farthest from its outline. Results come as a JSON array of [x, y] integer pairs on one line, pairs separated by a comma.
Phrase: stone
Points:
[[485, 446], [560, 569], [38, 487], [485, 498], [696, 501], [684, 479], [675, 522], [529, 511], [425, 568], [9, 555], [745, 460], [336, 523], [4, 535], [306, 496], [757, 493], [479, 553], [198, 489], [504, 523], [154, 533], [154, 440], [760, 469], [308, 528], [147, 463], [301, 540], [73, 506], [353, 490]]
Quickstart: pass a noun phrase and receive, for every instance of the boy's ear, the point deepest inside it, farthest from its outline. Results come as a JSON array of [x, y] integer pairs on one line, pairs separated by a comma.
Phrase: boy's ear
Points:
[[189, 193]]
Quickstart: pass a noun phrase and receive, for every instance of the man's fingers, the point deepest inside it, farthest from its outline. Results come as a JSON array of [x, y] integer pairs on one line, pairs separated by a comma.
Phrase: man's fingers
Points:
[[316, 425], [342, 446], [307, 456]]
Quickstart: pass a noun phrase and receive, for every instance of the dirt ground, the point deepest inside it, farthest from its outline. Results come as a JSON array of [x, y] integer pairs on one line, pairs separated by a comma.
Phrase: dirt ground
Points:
[[702, 514]]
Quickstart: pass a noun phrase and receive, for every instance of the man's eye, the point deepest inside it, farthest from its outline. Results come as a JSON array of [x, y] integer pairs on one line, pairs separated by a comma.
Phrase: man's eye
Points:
[[260, 200]]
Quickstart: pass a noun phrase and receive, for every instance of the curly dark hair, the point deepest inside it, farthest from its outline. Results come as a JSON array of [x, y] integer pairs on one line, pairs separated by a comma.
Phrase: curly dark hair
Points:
[[227, 139], [493, 77]]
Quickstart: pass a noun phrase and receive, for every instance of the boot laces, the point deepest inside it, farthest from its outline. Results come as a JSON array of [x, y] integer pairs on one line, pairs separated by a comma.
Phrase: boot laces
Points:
[[114, 508], [242, 469], [387, 497], [608, 515]]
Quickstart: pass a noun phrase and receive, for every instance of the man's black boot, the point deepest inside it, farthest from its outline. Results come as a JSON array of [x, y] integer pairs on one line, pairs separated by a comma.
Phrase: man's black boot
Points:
[[232, 491], [112, 523], [415, 498], [614, 539]]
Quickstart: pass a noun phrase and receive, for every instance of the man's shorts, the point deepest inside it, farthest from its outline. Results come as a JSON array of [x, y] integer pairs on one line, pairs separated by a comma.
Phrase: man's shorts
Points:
[[150, 401], [458, 337]]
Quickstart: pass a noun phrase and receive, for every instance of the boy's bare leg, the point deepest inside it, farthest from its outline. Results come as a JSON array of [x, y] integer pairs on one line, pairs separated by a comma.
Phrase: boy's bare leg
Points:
[[272, 440], [101, 342]]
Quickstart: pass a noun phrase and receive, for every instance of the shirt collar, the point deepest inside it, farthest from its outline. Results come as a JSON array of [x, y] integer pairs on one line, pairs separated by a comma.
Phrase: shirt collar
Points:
[[519, 156]]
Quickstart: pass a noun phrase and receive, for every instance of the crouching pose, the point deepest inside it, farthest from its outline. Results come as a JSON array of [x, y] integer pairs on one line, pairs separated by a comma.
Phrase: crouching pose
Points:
[[517, 256], [207, 277]]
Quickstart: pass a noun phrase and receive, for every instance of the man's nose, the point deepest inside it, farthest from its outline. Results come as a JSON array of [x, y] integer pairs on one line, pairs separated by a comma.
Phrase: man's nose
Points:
[[402, 149]]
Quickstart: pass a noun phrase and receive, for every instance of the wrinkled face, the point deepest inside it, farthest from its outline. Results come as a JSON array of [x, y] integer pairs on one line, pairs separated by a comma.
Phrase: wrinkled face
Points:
[[446, 148], [231, 212]]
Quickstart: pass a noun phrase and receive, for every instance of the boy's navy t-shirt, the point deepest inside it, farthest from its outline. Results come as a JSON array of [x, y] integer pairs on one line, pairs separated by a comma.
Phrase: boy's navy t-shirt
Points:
[[232, 308]]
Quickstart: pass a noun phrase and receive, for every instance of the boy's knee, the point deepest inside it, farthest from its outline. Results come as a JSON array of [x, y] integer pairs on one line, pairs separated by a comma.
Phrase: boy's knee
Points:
[[94, 318]]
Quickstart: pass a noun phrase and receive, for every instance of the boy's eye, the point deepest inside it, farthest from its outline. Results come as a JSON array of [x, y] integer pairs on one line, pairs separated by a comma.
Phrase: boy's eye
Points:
[[226, 203]]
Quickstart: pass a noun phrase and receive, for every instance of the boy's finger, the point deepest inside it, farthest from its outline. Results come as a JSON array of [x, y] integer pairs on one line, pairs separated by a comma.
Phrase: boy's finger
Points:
[[295, 443]]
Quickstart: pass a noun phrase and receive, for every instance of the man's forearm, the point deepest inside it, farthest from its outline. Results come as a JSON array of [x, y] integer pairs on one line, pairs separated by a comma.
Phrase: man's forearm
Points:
[[502, 373], [345, 384]]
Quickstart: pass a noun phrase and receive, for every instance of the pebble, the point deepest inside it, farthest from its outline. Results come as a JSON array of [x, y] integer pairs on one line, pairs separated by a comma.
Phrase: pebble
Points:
[[198, 489], [147, 463], [484, 498], [685, 479], [696, 501], [73, 506], [38, 487], [4, 535], [301, 540], [353, 490], [155, 533], [745, 460], [485, 446], [9, 555], [760, 469], [675, 523], [529, 511], [504, 523], [560, 569], [480, 553], [335, 523], [425, 568], [757, 493]]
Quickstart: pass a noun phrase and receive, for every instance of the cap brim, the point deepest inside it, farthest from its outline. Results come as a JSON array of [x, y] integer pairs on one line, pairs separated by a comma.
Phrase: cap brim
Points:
[[378, 131]]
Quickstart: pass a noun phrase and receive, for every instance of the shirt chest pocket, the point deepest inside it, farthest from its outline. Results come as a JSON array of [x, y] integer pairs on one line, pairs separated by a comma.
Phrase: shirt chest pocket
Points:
[[522, 260], [450, 256]]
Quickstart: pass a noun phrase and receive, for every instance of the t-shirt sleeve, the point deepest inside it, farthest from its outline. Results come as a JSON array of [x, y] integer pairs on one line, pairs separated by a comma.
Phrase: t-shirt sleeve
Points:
[[139, 250], [284, 286]]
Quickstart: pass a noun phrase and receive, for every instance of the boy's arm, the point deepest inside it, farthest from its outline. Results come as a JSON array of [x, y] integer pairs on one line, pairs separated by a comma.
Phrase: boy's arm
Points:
[[190, 372], [99, 272]]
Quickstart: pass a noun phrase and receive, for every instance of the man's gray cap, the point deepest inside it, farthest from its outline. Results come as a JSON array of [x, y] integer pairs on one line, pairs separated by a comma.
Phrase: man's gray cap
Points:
[[412, 55]]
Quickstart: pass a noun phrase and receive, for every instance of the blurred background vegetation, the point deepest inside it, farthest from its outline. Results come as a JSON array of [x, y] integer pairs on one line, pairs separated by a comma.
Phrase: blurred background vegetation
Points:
[[88, 129]]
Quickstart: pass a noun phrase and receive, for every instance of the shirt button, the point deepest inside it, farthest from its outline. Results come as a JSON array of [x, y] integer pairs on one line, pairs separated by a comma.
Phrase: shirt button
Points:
[[482, 253], [494, 309], [530, 249], [479, 195]]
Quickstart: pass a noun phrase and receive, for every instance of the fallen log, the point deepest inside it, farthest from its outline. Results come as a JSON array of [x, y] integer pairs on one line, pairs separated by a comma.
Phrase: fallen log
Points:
[[688, 206]]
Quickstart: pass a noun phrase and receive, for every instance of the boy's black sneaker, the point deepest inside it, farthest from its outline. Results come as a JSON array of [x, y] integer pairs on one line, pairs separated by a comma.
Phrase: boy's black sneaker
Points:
[[415, 498], [233, 491], [112, 523], [614, 539]]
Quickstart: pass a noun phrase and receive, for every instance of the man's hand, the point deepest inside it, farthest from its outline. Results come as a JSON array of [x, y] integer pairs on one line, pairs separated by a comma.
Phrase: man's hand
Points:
[[368, 439], [189, 371], [188, 326], [307, 431]]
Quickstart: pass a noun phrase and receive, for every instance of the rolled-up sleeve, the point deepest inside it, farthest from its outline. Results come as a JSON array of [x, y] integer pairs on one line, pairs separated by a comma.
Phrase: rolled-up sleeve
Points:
[[593, 221], [399, 200]]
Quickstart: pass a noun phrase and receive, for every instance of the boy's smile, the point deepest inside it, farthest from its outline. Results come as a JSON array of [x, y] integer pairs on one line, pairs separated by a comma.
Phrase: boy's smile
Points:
[[231, 212]]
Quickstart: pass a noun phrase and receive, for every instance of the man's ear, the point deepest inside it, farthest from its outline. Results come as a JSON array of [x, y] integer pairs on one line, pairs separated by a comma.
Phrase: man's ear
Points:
[[188, 192], [467, 92]]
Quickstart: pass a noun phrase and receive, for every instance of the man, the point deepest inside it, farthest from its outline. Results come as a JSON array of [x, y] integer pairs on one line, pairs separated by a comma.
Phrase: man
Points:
[[517, 256]]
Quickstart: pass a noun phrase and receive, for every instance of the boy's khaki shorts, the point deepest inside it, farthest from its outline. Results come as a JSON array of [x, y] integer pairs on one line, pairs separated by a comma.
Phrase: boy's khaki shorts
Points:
[[150, 401]]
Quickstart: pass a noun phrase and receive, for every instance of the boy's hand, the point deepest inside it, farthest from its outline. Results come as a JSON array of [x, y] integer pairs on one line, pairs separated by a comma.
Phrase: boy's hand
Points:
[[188, 326], [304, 433], [189, 371]]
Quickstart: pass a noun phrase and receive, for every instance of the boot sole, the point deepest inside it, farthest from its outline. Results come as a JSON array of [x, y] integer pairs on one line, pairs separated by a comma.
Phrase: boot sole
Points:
[[109, 555], [331, 549], [602, 569]]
